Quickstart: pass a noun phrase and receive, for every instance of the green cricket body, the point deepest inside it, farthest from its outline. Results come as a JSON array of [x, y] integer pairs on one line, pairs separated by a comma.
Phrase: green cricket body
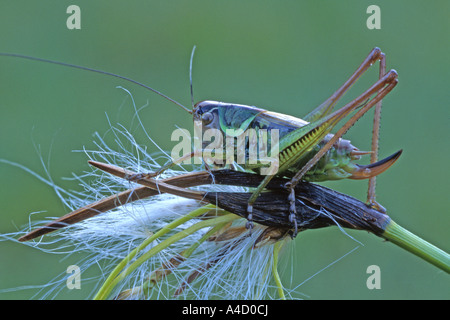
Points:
[[336, 164]]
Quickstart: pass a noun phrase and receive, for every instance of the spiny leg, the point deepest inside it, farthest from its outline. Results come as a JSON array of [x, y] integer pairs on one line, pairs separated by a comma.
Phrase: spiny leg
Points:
[[251, 201], [308, 136], [371, 196], [326, 107], [293, 211], [390, 79]]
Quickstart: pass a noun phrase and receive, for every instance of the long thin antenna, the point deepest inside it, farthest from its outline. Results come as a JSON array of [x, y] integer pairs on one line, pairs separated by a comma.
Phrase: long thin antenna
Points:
[[97, 71], [190, 77]]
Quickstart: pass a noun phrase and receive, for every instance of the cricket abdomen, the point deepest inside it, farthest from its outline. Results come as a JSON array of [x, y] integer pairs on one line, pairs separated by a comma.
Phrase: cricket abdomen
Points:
[[336, 163]]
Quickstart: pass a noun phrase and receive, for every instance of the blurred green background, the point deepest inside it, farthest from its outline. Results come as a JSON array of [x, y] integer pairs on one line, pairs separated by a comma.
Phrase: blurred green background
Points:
[[286, 56]]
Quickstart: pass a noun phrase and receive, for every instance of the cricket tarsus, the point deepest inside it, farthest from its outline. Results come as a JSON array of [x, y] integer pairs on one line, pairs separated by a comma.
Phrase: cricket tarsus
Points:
[[249, 224], [293, 212]]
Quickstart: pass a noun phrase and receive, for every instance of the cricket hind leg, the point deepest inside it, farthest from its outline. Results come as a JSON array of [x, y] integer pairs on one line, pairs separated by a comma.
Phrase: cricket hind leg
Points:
[[363, 103], [371, 195], [327, 106], [388, 82]]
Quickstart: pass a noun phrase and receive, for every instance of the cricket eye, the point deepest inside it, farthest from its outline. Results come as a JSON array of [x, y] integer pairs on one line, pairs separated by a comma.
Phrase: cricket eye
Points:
[[207, 118]]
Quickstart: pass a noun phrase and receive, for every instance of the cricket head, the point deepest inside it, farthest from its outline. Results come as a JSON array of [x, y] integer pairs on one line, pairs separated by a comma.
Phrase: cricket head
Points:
[[229, 118], [207, 113]]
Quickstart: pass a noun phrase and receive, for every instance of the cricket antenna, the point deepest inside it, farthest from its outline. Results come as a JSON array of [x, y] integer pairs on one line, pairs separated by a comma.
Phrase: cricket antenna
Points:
[[190, 77], [97, 71]]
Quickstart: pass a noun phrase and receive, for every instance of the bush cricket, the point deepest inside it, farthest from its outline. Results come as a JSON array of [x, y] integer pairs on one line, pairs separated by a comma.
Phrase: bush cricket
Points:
[[307, 149]]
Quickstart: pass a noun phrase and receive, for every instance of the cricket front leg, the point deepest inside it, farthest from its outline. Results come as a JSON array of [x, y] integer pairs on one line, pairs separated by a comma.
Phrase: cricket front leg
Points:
[[257, 192], [251, 201], [292, 209]]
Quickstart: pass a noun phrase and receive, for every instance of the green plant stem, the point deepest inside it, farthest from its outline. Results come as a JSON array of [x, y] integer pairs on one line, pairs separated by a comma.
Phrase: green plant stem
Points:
[[185, 254], [112, 282], [276, 276], [169, 227], [416, 245]]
